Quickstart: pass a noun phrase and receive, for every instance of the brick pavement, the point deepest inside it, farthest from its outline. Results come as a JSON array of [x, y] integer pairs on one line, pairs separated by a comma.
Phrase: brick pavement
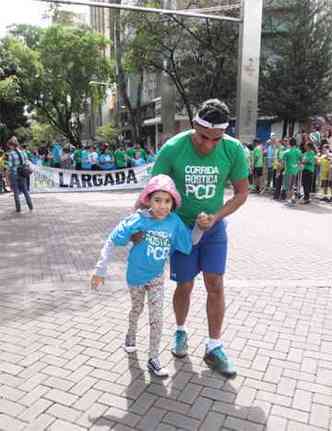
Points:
[[61, 365]]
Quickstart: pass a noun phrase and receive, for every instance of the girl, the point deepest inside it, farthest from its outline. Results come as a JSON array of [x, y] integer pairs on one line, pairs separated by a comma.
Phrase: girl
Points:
[[163, 233]]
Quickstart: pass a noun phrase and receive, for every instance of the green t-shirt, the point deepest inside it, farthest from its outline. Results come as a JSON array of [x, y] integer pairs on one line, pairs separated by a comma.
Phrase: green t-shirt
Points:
[[309, 160], [77, 155], [258, 157], [280, 152], [143, 154], [120, 158], [200, 179], [291, 159], [131, 152]]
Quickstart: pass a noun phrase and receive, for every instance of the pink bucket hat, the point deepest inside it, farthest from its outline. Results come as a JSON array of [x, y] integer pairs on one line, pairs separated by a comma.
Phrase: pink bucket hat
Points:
[[163, 183]]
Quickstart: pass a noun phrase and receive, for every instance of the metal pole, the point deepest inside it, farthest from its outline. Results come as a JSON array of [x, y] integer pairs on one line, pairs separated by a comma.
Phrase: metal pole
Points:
[[167, 93], [144, 9], [248, 69]]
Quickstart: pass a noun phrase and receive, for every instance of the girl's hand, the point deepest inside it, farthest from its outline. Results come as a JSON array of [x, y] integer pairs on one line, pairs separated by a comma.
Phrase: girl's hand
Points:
[[96, 281]]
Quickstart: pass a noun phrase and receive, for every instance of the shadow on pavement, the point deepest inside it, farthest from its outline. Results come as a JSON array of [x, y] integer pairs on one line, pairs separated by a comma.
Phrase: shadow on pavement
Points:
[[220, 397]]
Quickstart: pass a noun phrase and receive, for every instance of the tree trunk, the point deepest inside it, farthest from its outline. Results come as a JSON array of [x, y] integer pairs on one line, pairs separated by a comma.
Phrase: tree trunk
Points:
[[291, 126], [284, 128], [139, 103]]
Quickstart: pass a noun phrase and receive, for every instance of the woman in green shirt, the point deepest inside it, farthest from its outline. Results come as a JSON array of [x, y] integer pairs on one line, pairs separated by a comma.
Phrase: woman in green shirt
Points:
[[309, 163], [121, 158]]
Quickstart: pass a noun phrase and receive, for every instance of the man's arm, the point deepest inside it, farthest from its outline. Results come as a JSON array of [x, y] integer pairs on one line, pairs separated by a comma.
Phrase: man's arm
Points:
[[240, 195]]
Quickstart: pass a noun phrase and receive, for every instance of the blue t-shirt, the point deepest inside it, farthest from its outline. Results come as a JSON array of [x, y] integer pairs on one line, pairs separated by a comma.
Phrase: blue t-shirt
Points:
[[147, 258], [56, 152], [138, 162], [151, 158], [85, 160], [106, 162]]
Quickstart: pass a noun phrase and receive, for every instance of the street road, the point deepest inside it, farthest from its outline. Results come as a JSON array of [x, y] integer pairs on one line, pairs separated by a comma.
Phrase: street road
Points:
[[61, 363]]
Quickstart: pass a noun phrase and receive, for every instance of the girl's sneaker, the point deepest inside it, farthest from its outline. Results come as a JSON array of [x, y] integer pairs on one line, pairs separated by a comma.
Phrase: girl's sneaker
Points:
[[155, 368], [129, 345]]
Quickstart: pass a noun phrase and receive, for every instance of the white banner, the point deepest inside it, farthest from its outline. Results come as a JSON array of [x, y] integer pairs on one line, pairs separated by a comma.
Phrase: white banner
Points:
[[46, 180]]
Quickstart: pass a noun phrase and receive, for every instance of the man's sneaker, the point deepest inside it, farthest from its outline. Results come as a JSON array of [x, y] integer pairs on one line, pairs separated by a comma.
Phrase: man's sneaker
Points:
[[180, 344], [155, 368], [129, 345], [218, 360]]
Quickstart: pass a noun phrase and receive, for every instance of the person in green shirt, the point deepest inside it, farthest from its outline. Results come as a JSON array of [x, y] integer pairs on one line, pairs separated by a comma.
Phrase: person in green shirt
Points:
[[120, 157], [77, 157], [309, 163], [278, 170], [291, 161], [131, 155], [3, 163], [142, 154], [200, 162], [258, 161]]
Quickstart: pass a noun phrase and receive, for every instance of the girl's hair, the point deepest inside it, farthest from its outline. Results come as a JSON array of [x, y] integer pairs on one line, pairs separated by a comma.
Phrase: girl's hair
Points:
[[173, 200]]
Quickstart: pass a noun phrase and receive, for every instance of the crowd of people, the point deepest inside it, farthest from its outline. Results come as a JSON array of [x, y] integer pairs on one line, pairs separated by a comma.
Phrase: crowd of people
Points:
[[293, 169], [99, 156]]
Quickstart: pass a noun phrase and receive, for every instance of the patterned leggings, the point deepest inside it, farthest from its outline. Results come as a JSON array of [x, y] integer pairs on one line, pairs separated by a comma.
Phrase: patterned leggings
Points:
[[155, 293]]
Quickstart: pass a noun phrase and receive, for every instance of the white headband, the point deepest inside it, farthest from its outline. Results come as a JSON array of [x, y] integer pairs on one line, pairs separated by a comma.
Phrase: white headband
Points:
[[204, 123]]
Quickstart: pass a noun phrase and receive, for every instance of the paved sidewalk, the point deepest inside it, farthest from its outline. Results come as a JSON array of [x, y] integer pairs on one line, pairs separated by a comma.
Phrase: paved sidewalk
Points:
[[61, 364]]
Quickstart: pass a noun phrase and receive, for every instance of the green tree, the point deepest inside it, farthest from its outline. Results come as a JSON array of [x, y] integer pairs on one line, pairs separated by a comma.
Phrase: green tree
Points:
[[108, 132], [42, 133], [200, 56], [54, 77], [295, 81], [30, 34], [11, 104]]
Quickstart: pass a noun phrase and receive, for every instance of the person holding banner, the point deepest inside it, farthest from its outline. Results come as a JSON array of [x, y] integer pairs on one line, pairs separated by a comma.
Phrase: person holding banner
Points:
[[163, 231], [201, 162]]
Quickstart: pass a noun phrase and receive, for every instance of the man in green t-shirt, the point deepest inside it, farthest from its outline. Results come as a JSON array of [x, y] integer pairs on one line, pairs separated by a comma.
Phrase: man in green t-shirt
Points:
[[291, 160], [278, 170], [258, 161], [120, 157], [201, 161], [77, 157], [309, 163], [131, 155]]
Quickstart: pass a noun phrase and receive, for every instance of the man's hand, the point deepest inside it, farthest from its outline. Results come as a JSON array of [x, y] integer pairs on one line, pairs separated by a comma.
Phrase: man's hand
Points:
[[96, 281], [137, 237], [205, 221]]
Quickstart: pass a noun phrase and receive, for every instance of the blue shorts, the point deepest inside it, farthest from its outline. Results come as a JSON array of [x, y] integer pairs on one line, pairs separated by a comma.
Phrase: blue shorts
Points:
[[209, 255]]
